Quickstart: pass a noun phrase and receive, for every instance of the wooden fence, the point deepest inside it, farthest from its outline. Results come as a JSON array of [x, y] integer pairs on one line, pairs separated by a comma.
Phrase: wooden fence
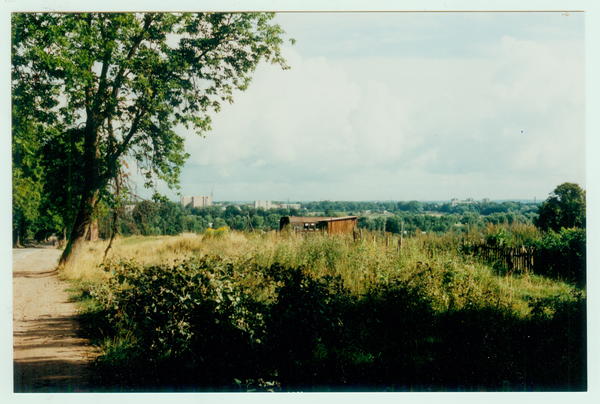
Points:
[[519, 259]]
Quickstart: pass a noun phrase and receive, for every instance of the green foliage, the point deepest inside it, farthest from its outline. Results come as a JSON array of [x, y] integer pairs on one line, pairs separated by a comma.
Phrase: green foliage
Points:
[[121, 83], [257, 222], [326, 314], [559, 255], [216, 233], [62, 156], [27, 173], [563, 255], [236, 217], [565, 208], [184, 317]]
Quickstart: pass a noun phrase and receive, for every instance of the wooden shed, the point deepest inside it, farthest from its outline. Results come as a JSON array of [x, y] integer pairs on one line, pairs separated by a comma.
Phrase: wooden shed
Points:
[[331, 225], [338, 225]]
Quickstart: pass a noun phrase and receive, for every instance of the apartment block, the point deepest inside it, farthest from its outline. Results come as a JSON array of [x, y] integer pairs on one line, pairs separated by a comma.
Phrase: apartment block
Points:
[[263, 204], [196, 201]]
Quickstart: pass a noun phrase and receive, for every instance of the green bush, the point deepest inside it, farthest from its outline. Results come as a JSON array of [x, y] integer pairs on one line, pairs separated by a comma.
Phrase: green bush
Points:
[[562, 255], [421, 323], [180, 316]]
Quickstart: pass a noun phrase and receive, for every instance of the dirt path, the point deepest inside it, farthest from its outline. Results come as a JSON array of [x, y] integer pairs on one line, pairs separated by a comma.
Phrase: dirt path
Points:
[[47, 353]]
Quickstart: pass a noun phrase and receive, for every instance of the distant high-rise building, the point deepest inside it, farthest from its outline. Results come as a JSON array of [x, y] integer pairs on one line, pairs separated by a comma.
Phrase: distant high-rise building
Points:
[[290, 206], [263, 204], [486, 200], [196, 201]]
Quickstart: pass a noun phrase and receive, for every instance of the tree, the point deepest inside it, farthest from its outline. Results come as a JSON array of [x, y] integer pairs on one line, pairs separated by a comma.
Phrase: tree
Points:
[[272, 221], [564, 208], [61, 156], [27, 173], [470, 219], [416, 206], [143, 215], [257, 222], [393, 225], [128, 81], [380, 222], [27, 189]]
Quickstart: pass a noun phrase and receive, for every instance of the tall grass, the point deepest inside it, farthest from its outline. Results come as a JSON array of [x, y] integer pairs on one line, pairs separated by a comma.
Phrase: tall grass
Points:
[[305, 309], [450, 279]]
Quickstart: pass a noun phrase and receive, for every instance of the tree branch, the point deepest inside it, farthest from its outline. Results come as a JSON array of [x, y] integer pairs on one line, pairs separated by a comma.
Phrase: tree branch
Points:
[[138, 40], [112, 160], [105, 65]]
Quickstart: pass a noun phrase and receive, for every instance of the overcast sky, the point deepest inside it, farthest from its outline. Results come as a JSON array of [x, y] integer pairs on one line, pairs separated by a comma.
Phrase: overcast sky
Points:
[[403, 106]]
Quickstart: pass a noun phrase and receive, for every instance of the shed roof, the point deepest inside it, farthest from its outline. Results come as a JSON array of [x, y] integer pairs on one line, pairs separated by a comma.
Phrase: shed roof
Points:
[[315, 219], [337, 219], [304, 219]]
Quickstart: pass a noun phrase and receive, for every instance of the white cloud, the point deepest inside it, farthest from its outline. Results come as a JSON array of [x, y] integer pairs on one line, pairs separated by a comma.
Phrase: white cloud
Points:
[[508, 43], [533, 76], [225, 172], [258, 163], [345, 128], [291, 117]]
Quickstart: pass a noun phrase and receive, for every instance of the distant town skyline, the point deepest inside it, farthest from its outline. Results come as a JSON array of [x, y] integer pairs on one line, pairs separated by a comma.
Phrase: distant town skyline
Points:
[[261, 203]]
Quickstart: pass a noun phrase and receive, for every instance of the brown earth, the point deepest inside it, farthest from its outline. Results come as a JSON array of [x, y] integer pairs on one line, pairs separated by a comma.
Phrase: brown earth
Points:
[[48, 355]]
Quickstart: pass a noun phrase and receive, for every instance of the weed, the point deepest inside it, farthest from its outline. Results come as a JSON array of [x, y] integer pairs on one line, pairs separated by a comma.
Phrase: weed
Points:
[[230, 311]]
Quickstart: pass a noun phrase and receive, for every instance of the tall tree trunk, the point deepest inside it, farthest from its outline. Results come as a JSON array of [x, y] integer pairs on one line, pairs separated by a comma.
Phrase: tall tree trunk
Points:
[[17, 230], [90, 194], [80, 230], [93, 233]]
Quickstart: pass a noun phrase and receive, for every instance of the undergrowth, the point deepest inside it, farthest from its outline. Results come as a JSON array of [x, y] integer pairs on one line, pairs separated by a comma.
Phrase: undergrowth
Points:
[[280, 312]]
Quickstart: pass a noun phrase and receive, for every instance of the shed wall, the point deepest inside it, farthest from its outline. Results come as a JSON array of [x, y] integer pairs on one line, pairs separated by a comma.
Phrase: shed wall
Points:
[[341, 226]]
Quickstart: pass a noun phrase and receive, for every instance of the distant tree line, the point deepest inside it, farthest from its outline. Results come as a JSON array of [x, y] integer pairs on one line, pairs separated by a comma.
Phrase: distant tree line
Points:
[[565, 208], [163, 217], [160, 216], [413, 216]]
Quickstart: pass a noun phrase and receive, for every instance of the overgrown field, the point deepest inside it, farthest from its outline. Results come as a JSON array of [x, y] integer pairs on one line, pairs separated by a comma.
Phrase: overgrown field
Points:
[[230, 311]]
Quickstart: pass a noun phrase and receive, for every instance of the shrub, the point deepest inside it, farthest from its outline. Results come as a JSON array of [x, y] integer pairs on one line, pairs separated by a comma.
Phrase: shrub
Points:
[[220, 232], [562, 255], [323, 313], [194, 312]]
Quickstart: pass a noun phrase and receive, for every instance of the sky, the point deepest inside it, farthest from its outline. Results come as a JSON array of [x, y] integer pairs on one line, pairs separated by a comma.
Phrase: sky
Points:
[[403, 106]]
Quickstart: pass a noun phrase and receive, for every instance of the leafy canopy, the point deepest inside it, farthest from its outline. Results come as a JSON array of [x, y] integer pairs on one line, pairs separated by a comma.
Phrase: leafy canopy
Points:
[[123, 83], [565, 208], [135, 77]]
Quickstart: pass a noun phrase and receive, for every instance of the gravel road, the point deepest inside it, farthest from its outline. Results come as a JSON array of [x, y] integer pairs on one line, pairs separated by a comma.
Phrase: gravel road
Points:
[[48, 355]]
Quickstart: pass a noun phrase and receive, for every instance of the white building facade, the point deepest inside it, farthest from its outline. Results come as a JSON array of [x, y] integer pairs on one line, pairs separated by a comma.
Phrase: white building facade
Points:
[[263, 204], [196, 201]]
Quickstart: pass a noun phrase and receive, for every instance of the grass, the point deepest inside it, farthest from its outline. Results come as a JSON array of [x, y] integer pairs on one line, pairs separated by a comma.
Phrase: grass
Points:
[[326, 309], [359, 265]]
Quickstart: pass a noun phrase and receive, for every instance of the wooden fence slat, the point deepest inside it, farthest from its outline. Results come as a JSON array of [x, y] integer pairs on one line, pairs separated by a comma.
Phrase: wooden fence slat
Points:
[[518, 259]]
